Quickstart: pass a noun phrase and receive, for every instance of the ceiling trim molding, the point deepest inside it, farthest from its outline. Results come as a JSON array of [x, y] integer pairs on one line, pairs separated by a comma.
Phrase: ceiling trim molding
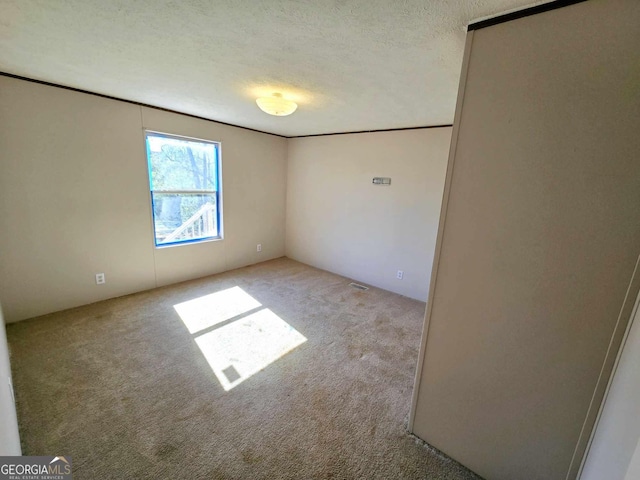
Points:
[[133, 102], [373, 131], [79, 90], [526, 12]]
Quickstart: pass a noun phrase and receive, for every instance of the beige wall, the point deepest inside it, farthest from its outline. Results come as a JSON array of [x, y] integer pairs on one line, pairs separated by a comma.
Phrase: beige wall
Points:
[[74, 199], [338, 221], [535, 259]]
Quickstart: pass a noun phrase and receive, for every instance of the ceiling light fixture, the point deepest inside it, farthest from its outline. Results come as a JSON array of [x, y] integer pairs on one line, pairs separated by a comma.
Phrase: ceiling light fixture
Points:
[[276, 105]]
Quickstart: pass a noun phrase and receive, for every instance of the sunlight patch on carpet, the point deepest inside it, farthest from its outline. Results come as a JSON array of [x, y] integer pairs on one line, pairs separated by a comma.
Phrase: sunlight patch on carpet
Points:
[[209, 310], [240, 349]]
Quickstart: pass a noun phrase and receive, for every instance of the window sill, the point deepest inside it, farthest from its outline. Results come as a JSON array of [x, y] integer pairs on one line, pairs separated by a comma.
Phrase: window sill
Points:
[[184, 244]]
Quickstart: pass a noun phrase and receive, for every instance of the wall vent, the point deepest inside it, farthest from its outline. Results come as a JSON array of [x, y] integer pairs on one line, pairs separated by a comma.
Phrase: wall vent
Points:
[[358, 286], [381, 181]]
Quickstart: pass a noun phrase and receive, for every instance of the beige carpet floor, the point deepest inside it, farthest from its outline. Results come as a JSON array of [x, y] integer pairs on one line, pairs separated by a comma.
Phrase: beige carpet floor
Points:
[[124, 387]]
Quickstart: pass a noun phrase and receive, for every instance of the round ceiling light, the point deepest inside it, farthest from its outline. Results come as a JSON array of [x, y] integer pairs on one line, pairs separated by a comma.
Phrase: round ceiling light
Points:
[[276, 105]]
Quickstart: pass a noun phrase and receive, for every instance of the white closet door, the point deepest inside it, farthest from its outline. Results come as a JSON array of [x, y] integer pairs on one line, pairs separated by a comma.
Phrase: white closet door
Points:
[[615, 451], [9, 438]]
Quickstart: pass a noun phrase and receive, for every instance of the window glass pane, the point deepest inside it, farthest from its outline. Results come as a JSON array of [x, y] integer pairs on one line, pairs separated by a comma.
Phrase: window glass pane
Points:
[[184, 217], [180, 164]]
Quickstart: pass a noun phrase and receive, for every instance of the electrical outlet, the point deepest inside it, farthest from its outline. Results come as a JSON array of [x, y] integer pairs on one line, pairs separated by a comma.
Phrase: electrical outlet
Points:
[[100, 279], [259, 247], [400, 275]]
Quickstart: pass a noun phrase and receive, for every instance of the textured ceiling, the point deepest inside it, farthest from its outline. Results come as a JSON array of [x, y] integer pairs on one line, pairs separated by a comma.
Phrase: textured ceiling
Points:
[[350, 64]]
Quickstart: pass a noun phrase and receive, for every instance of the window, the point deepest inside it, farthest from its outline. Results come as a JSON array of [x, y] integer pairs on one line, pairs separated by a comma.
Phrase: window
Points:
[[184, 177]]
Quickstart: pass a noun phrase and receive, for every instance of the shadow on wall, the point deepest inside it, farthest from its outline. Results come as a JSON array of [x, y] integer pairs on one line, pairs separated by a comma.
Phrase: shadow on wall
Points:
[[236, 334]]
